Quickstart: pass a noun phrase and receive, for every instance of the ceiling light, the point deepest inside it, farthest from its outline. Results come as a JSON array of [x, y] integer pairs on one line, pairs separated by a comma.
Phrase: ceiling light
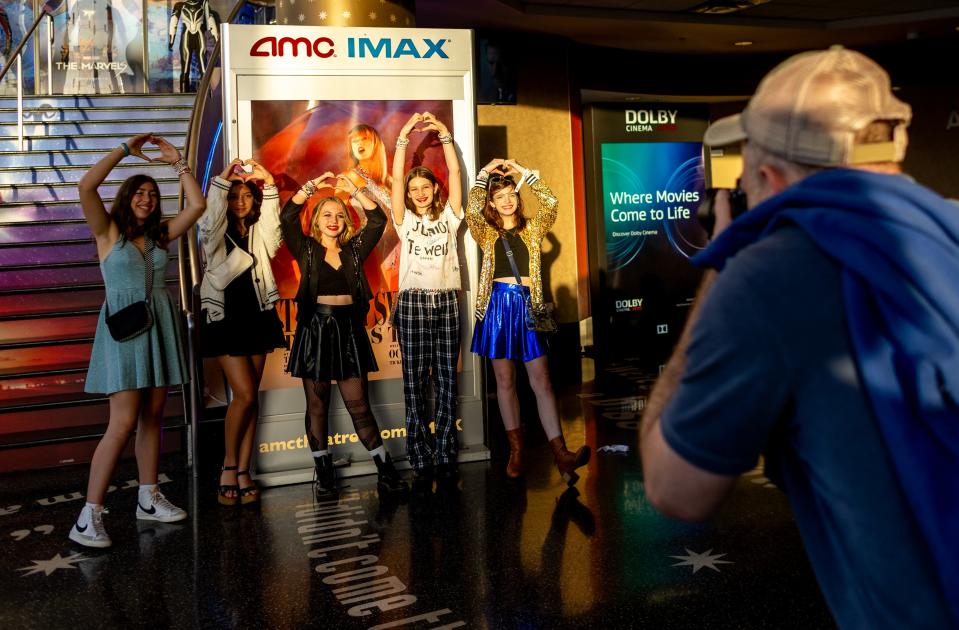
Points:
[[720, 7], [743, 44]]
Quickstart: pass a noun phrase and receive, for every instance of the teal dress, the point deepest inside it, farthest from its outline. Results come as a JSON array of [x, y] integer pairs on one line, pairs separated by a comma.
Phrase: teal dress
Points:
[[153, 359]]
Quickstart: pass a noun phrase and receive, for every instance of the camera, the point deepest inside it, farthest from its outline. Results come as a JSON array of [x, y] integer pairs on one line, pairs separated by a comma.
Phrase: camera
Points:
[[707, 216]]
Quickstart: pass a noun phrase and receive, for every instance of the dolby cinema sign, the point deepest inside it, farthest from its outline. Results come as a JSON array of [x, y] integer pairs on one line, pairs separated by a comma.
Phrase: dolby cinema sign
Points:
[[361, 49], [650, 120]]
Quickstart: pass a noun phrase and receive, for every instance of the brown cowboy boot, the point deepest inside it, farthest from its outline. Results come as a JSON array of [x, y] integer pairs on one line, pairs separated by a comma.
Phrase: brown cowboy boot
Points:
[[567, 462], [514, 469]]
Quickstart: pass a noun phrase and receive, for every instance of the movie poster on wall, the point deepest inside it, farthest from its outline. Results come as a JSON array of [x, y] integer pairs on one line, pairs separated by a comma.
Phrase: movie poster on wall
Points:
[[300, 140]]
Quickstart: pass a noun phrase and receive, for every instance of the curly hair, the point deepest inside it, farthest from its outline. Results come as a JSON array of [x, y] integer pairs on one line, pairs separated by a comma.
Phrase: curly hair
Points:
[[122, 213], [436, 207], [254, 214], [348, 232], [496, 183]]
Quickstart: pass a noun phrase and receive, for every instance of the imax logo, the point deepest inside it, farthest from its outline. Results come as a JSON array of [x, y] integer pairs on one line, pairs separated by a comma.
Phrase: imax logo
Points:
[[270, 47], [364, 47]]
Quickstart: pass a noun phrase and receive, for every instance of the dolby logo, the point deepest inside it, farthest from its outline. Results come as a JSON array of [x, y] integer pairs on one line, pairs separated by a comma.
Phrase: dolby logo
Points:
[[644, 120]]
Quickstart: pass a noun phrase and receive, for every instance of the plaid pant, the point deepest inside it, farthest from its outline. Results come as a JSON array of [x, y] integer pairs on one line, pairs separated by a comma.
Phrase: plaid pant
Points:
[[428, 323]]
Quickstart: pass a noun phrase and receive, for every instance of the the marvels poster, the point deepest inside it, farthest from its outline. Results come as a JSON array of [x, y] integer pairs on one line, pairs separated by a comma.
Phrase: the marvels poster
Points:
[[300, 140]]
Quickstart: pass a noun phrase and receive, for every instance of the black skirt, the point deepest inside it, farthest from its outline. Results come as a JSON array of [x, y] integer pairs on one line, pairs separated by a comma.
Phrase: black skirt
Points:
[[245, 330], [331, 346]]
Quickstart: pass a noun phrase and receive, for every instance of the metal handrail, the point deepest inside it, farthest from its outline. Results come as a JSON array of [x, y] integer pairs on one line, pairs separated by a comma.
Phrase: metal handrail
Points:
[[18, 55]]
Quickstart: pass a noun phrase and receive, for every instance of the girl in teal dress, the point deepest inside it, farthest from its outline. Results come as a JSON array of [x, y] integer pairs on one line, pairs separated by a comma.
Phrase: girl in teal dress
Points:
[[137, 372]]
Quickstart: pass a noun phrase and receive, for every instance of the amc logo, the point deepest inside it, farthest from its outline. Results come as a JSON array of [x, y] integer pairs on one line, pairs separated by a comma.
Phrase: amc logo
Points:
[[319, 47]]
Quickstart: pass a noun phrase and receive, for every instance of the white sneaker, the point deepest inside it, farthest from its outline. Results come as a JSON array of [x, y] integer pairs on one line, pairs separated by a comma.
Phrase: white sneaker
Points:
[[158, 509], [88, 530]]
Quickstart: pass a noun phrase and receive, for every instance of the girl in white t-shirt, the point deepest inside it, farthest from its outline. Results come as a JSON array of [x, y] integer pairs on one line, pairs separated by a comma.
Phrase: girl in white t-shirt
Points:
[[427, 309]]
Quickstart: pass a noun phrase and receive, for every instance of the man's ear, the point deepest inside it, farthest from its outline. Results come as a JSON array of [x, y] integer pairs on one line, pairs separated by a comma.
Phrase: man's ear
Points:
[[774, 179]]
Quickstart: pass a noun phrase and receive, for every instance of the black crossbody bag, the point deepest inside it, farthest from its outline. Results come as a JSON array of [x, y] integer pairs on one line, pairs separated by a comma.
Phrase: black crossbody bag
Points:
[[538, 318], [134, 320]]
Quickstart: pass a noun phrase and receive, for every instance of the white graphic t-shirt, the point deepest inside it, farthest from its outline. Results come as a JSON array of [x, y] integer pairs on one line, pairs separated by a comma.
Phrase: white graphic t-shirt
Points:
[[428, 258]]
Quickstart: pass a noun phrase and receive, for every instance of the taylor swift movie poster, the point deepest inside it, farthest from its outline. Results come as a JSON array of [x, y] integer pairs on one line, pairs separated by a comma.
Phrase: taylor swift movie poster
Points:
[[300, 140]]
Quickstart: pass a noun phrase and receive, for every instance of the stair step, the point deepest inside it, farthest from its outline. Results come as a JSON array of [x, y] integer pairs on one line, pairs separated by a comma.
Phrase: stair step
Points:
[[68, 191], [68, 142], [45, 330], [63, 157], [66, 114], [82, 253], [100, 101], [48, 278], [59, 211], [15, 305], [95, 127], [32, 235], [72, 174]]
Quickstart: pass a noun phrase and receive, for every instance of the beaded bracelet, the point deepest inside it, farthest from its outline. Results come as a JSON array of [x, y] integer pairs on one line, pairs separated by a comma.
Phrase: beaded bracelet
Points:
[[180, 167], [402, 142], [446, 139]]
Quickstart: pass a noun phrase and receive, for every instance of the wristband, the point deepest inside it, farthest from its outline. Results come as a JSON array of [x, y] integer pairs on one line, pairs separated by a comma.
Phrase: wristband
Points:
[[308, 188], [446, 138], [180, 167], [126, 149], [402, 142]]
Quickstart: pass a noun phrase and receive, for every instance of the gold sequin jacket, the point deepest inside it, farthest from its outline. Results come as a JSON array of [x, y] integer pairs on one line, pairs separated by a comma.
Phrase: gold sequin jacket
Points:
[[532, 234]]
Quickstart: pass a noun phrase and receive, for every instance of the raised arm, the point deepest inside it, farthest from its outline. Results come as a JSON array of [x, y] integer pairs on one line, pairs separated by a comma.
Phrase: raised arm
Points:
[[290, 216], [370, 235], [269, 223], [398, 187], [212, 225], [104, 229], [454, 182], [476, 201], [548, 204], [194, 203]]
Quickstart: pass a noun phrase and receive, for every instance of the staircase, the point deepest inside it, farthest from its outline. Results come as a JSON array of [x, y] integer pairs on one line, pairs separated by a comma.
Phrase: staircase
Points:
[[50, 283]]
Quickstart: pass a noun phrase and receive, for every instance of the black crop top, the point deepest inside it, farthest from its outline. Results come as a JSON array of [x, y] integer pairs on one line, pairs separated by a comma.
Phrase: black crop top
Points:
[[501, 266], [330, 281]]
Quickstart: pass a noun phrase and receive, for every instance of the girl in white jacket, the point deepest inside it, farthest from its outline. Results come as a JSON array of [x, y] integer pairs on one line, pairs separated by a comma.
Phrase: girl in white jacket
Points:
[[240, 325]]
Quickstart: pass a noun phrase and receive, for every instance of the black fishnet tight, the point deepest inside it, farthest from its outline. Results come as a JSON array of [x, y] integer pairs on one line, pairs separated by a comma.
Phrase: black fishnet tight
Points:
[[356, 398]]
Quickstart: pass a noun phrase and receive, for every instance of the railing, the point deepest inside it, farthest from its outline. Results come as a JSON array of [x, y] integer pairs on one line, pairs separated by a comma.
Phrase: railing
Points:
[[203, 138], [18, 56]]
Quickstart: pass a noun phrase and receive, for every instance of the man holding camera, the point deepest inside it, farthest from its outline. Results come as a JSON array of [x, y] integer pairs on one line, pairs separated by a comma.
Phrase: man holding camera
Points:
[[827, 340]]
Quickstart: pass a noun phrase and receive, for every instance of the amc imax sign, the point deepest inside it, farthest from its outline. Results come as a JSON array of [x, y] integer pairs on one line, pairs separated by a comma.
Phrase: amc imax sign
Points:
[[356, 47]]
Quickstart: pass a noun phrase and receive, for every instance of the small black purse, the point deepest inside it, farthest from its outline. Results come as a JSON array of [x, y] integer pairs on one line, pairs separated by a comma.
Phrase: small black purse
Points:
[[134, 320], [539, 318]]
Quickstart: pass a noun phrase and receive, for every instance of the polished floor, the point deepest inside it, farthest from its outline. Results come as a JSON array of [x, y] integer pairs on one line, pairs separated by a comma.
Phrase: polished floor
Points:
[[483, 552]]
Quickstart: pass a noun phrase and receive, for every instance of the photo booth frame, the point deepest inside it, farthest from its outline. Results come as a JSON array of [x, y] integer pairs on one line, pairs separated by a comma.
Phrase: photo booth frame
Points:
[[360, 70]]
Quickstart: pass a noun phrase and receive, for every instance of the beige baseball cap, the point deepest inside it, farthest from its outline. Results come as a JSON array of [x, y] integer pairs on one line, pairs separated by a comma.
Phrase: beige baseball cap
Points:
[[809, 108]]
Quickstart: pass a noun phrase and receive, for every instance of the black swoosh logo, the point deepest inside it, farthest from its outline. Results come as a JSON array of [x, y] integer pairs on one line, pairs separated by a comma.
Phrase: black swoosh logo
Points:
[[152, 510], [81, 529]]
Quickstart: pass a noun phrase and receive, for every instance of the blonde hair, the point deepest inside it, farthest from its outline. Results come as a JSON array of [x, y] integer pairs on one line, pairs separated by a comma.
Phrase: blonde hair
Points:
[[375, 164], [348, 231]]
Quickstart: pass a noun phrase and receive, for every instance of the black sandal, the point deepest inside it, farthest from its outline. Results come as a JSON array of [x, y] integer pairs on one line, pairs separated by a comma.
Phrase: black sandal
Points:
[[222, 494], [250, 494]]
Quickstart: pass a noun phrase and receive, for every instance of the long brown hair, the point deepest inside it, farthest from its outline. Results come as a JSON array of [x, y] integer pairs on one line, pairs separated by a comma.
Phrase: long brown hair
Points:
[[436, 207], [254, 214], [122, 212], [496, 183], [348, 232]]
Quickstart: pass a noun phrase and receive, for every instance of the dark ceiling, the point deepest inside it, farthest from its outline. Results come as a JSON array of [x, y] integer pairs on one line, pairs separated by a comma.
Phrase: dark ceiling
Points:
[[674, 26]]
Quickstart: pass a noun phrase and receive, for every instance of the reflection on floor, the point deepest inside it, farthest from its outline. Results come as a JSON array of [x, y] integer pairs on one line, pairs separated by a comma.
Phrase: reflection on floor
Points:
[[481, 553]]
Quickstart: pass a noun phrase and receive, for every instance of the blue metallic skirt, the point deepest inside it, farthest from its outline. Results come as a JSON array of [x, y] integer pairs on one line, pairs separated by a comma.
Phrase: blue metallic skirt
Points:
[[502, 334]]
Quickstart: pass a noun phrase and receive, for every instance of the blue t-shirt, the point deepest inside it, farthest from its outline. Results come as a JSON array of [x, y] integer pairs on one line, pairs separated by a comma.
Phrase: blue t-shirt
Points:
[[770, 371]]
